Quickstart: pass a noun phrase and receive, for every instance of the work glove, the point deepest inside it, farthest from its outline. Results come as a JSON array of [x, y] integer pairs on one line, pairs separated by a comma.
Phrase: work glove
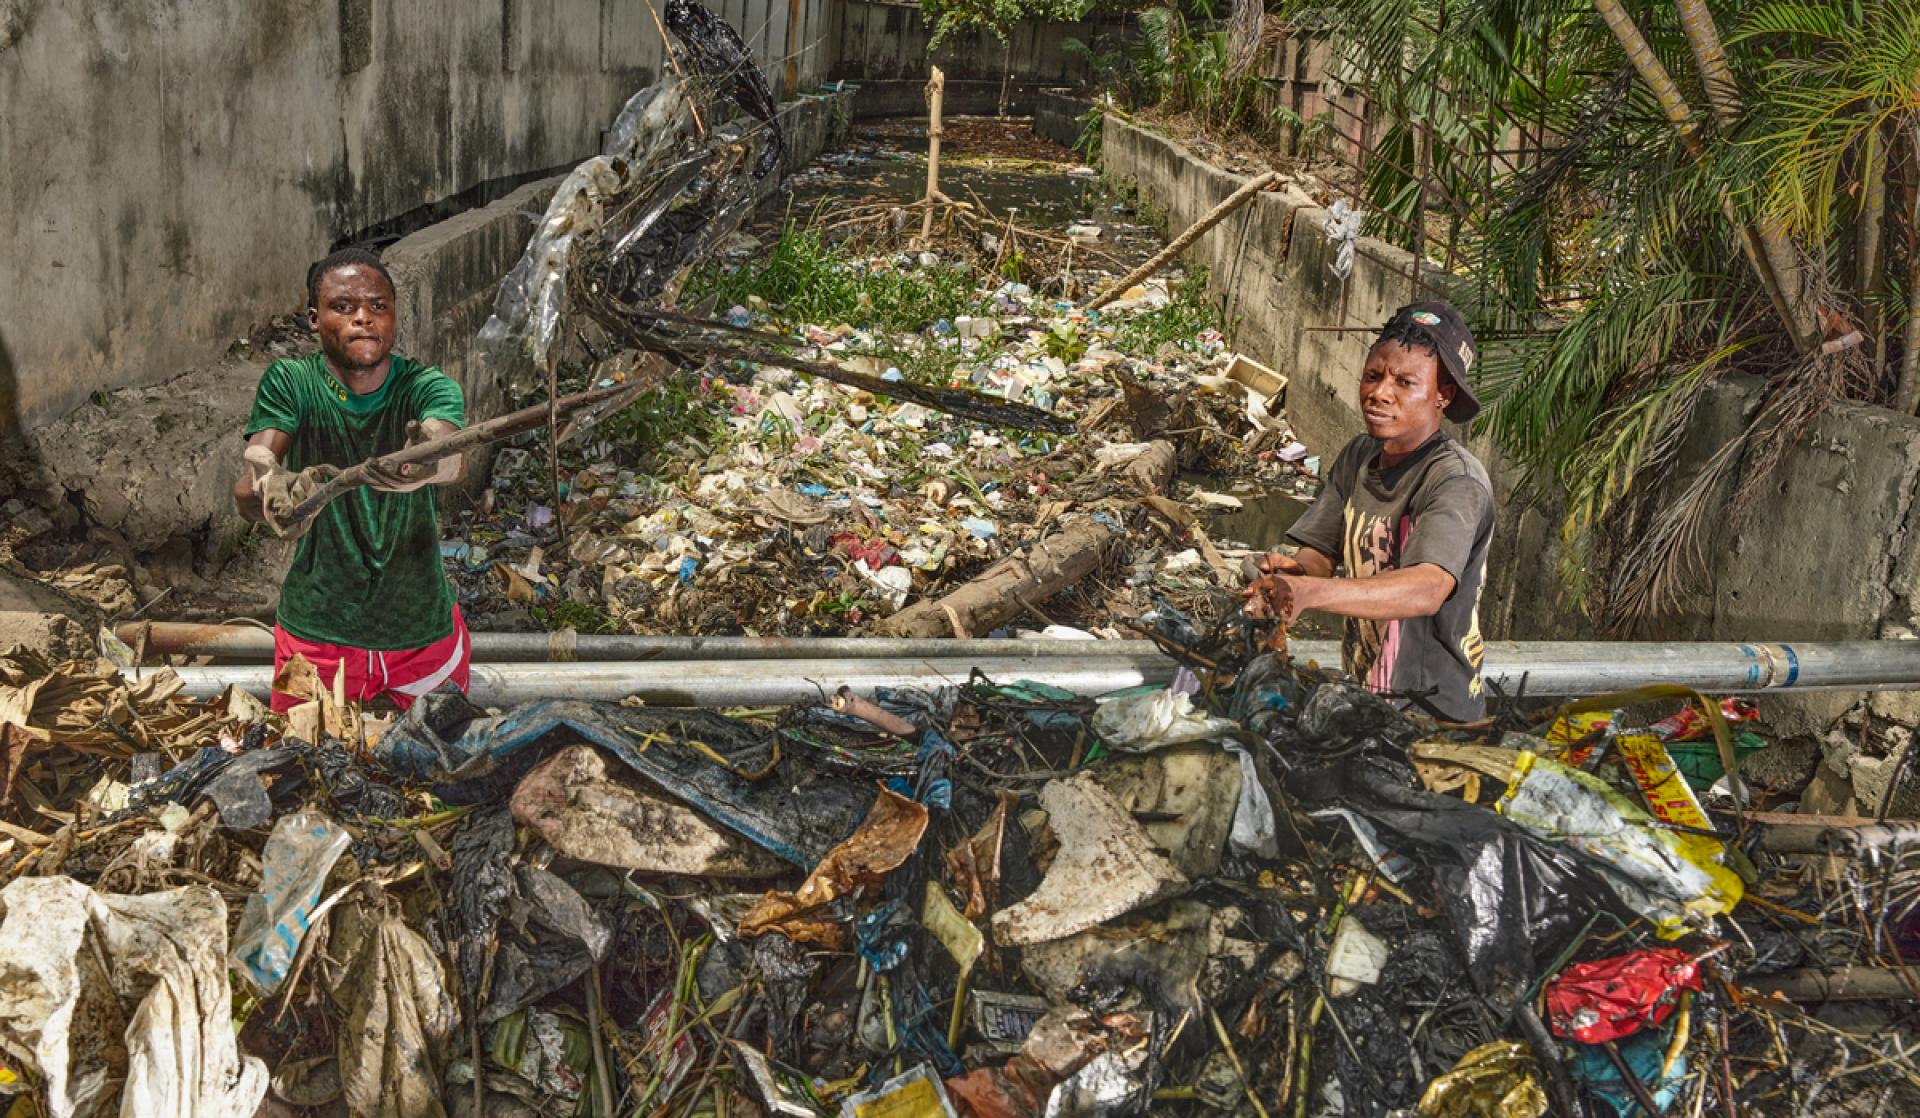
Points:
[[403, 479], [281, 491]]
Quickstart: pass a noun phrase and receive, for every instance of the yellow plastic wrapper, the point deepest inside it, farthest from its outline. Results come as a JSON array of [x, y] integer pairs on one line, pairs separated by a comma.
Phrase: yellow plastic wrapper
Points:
[[1674, 879], [1497, 1080]]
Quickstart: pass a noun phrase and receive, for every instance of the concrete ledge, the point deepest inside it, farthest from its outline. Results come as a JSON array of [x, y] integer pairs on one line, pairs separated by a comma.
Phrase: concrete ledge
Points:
[[814, 123], [445, 276]]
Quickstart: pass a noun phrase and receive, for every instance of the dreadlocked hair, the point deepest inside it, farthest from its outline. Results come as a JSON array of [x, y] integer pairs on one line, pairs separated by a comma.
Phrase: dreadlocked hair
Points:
[[1403, 329], [343, 258]]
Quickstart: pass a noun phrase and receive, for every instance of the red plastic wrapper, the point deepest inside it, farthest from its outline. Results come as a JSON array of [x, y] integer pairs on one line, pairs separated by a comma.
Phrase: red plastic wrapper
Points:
[[1691, 723], [877, 553], [1615, 998]]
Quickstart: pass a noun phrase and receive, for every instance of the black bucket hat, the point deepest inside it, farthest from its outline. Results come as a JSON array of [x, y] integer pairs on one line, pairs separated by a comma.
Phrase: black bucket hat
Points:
[[1454, 345]]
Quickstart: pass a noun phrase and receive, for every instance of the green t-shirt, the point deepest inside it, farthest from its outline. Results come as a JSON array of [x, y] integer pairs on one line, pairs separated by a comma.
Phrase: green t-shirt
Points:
[[368, 573]]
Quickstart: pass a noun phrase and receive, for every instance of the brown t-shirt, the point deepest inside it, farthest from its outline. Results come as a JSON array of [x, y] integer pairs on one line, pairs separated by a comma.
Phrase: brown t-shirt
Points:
[[1435, 507]]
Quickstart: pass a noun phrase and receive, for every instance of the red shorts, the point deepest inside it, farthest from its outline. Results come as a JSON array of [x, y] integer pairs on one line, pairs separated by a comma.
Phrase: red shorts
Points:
[[402, 676]]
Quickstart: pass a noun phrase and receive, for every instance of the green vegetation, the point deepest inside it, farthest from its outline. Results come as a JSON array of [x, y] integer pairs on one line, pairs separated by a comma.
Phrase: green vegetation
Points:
[[997, 18], [1184, 60], [1635, 199], [806, 280], [578, 616], [1065, 342], [1092, 132], [658, 419], [1177, 324]]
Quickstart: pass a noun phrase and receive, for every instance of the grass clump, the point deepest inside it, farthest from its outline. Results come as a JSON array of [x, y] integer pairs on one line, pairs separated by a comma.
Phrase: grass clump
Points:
[[655, 422], [580, 617], [808, 280], [1178, 324]]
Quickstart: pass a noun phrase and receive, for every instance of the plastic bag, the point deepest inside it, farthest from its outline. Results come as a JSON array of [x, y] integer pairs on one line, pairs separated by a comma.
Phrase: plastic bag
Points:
[[1160, 718], [1645, 1056], [1675, 880], [520, 335], [1611, 999], [1343, 232], [105, 997], [1514, 901], [298, 857]]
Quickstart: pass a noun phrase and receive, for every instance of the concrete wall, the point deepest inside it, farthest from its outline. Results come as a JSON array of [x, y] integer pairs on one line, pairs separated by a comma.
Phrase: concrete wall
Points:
[[155, 464], [878, 42], [448, 273], [1830, 555], [168, 171]]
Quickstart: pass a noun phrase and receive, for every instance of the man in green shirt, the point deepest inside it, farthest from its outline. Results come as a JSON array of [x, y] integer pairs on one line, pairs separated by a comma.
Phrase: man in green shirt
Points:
[[366, 592]]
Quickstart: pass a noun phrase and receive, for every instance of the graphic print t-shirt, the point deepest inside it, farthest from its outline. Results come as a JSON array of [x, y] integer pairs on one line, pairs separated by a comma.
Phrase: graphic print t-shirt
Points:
[[1436, 506]]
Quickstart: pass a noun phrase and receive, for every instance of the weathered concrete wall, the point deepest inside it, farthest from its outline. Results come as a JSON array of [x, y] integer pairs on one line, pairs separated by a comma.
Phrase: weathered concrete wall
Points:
[[1056, 115], [167, 171], [1830, 556], [156, 464], [877, 40], [963, 97]]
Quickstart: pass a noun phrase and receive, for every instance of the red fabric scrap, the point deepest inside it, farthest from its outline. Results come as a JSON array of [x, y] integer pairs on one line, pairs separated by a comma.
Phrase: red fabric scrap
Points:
[[1615, 998]]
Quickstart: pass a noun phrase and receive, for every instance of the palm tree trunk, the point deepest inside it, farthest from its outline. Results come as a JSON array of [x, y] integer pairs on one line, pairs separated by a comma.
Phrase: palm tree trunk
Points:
[[1907, 398], [1870, 254], [1696, 20], [1674, 105]]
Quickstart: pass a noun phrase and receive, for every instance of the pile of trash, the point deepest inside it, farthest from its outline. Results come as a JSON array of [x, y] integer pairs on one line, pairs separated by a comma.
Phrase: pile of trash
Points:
[[805, 507], [1259, 890], [889, 468]]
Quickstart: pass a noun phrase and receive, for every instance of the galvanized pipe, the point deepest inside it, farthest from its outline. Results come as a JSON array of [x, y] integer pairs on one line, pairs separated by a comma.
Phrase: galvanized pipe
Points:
[[756, 684], [244, 643], [1596, 667], [1545, 669]]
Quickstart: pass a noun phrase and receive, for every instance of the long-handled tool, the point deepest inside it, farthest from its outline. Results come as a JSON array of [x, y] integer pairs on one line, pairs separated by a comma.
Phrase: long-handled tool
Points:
[[429, 451]]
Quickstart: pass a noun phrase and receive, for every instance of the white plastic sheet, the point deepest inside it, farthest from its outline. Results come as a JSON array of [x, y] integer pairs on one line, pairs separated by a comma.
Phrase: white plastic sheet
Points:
[[1147, 722], [1343, 232], [121, 1003]]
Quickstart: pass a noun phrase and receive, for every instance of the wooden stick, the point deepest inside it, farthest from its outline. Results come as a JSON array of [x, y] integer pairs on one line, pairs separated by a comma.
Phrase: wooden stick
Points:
[[666, 44], [597, 1024], [433, 450], [936, 92], [1210, 219]]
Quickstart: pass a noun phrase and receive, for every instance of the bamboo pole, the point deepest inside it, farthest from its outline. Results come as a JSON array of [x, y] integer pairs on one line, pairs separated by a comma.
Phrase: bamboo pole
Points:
[[936, 93], [793, 47], [1193, 233]]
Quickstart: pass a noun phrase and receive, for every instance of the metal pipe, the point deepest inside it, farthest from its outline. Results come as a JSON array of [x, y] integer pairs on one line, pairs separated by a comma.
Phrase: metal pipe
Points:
[[1597, 667], [1534, 668], [757, 684], [243, 643]]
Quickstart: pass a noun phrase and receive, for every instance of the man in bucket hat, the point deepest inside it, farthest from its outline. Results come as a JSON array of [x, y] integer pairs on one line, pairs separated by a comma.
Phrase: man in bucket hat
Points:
[[1396, 543]]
